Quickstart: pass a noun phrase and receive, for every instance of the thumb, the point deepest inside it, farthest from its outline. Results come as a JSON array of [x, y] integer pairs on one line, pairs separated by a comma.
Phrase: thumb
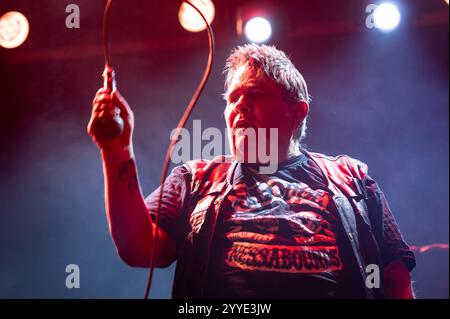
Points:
[[119, 101]]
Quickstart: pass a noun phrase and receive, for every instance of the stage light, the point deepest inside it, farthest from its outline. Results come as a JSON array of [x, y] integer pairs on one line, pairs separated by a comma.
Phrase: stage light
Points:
[[386, 17], [257, 30], [446, 1], [14, 29], [189, 17]]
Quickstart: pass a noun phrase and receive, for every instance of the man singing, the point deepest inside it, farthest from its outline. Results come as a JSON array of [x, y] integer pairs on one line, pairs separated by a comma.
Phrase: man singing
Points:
[[315, 227]]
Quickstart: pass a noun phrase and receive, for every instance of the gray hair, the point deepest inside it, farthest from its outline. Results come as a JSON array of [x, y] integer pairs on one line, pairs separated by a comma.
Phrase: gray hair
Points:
[[277, 66]]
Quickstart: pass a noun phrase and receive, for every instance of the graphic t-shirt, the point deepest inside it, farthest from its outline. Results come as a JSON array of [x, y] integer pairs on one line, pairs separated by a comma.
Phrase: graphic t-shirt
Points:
[[277, 235]]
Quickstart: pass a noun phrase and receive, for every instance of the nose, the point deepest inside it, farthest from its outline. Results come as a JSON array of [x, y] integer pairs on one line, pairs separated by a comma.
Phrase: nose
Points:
[[242, 105]]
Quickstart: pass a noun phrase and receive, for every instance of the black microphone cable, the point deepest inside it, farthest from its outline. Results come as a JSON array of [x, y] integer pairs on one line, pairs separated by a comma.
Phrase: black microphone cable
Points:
[[174, 140], [108, 124], [106, 32], [190, 107]]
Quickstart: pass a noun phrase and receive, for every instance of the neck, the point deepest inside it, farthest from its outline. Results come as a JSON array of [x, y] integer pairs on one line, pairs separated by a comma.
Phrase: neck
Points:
[[292, 150]]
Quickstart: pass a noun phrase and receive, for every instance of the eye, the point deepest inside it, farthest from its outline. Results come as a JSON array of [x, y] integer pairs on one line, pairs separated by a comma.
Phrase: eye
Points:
[[253, 95], [232, 98], [257, 94]]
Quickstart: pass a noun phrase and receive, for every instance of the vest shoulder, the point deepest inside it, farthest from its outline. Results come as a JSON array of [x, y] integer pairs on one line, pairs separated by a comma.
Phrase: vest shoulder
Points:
[[343, 163], [201, 168]]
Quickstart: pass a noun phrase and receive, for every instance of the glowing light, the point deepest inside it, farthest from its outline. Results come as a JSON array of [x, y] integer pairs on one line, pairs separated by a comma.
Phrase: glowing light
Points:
[[446, 1], [258, 30], [191, 20], [14, 29], [386, 17]]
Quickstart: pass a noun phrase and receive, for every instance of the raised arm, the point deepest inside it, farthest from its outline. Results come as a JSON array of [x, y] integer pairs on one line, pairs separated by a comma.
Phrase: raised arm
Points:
[[129, 221]]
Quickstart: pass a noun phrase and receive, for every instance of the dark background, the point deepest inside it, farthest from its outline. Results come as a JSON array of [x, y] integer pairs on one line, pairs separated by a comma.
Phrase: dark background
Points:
[[381, 98]]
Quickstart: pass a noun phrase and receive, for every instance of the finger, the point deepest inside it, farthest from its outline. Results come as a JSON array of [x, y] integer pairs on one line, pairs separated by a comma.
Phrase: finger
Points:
[[121, 103], [89, 127], [105, 103], [100, 107], [101, 91], [102, 98]]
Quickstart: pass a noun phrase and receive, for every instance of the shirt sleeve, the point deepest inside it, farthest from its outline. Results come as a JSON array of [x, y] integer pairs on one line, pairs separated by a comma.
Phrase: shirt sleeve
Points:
[[391, 242], [173, 214]]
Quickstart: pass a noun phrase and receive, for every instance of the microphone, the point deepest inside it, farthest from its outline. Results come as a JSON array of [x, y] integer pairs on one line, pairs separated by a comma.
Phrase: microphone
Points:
[[108, 123]]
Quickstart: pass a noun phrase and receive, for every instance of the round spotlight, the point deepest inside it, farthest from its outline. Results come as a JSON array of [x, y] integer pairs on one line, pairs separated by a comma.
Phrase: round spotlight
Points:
[[258, 30], [386, 17], [14, 29], [191, 20]]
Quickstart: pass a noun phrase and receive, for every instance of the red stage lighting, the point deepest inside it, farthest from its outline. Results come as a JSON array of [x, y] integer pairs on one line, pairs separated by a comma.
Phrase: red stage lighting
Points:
[[189, 17], [14, 29]]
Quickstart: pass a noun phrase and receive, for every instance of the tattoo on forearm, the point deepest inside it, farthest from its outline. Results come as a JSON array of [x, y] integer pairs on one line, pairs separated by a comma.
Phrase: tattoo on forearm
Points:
[[127, 173]]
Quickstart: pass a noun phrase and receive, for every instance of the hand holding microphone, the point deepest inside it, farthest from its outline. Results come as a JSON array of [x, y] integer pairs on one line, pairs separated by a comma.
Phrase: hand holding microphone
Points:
[[109, 124], [112, 120]]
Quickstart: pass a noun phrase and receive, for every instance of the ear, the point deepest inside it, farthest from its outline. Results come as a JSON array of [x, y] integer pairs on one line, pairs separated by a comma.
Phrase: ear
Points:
[[300, 111]]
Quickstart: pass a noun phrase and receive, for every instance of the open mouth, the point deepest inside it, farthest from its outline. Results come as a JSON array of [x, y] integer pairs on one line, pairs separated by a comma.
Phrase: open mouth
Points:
[[243, 124]]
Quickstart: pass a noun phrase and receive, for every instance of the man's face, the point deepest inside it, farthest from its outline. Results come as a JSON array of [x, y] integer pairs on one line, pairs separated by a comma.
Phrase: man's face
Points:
[[255, 101]]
